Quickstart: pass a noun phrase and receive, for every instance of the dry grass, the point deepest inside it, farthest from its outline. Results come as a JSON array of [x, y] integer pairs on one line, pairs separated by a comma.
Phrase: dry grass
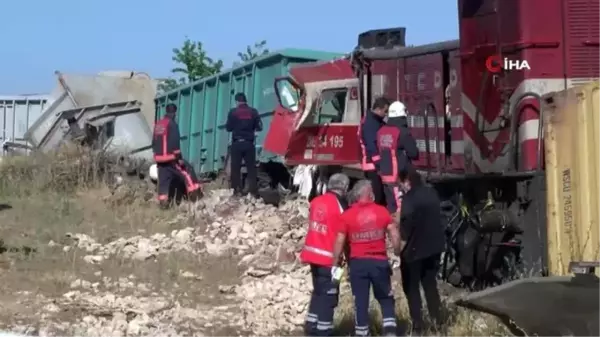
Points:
[[44, 197], [461, 322]]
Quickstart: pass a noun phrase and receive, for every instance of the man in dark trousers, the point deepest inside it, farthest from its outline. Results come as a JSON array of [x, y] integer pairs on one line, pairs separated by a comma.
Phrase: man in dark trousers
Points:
[[423, 240], [367, 135], [170, 164], [397, 149], [365, 226], [243, 122], [323, 217]]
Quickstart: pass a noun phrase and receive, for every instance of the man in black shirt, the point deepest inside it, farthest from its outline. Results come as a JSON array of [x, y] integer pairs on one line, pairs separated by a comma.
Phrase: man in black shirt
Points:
[[422, 233], [243, 122]]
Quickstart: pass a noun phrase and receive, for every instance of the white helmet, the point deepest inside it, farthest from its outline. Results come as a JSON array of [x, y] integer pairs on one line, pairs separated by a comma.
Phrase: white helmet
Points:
[[153, 172], [397, 109]]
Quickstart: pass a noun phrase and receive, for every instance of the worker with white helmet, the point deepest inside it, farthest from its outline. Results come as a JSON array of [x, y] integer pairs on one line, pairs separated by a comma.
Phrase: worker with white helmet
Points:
[[397, 148]]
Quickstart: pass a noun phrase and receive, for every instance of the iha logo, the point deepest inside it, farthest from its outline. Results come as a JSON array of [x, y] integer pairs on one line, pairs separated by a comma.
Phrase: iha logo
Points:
[[495, 64]]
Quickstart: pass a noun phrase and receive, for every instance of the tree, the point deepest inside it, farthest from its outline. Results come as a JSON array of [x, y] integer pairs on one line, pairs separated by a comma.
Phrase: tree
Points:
[[194, 64], [168, 84], [252, 52]]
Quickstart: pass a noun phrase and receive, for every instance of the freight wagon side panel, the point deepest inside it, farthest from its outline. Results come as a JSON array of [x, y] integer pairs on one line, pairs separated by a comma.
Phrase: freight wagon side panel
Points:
[[184, 114], [572, 126], [195, 151], [17, 114], [266, 99], [225, 100], [203, 105], [209, 127]]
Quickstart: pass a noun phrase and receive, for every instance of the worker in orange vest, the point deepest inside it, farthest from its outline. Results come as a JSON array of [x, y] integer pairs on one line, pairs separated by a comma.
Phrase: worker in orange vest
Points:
[[397, 149], [318, 252], [365, 226], [167, 155]]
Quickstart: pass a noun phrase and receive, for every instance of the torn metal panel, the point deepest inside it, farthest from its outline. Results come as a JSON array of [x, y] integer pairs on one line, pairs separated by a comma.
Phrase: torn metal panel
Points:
[[543, 306], [15, 148], [116, 127]]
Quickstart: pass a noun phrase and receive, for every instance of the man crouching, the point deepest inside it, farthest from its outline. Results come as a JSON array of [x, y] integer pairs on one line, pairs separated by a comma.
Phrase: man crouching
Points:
[[365, 225], [323, 220]]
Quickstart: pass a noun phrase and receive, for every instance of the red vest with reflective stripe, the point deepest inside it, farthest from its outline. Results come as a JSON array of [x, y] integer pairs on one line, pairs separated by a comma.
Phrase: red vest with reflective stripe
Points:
[[365, 224], [322, 230], [387, 144]]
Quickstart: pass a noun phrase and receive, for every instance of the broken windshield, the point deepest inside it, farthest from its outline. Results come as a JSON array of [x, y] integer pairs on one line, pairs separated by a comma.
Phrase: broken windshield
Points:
[[288, 94]]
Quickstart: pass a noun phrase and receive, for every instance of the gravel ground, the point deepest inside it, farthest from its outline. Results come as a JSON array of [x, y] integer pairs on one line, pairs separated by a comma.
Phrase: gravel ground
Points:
[[80, 259]]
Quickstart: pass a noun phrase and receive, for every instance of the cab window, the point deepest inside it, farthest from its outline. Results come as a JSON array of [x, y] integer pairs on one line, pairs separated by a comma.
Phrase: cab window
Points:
[[287, 94], [331, 106]]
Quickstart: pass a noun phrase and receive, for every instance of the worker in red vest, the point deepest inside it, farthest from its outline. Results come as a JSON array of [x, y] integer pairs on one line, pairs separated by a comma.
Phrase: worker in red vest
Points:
[[364, 225], [397, 149], [167, 155], [318, 252]]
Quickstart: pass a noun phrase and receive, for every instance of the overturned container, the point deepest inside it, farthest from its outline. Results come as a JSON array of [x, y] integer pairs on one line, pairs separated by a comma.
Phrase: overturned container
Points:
[[115, 127], [75, 91]]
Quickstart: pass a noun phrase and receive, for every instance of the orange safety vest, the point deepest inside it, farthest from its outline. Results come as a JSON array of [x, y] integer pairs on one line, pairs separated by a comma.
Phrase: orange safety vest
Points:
[[165, 141], [387, 144]]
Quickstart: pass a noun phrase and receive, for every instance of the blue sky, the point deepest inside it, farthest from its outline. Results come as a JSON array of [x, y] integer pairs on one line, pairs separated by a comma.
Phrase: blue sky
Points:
[[39, 37]]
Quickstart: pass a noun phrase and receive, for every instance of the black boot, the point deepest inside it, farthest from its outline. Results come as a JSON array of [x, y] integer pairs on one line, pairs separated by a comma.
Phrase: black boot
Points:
[[390, 331], [417, 330], [195, 195], [310, 329], [164, 204]]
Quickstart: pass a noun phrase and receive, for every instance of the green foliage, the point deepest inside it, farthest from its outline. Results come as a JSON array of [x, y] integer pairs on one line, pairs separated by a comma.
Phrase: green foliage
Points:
[[258, 49], [193, 63], [168, 84]]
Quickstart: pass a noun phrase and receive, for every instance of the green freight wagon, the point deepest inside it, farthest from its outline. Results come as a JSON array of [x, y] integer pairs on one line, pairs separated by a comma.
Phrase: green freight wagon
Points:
[[203, 105]]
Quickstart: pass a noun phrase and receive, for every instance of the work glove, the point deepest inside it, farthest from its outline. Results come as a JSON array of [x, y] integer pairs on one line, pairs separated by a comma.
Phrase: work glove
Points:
[[336, 274]]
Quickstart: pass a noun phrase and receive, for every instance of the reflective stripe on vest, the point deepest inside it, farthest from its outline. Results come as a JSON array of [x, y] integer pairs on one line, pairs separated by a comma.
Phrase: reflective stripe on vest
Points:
[[387, 144], [318, 251], [364, 164]]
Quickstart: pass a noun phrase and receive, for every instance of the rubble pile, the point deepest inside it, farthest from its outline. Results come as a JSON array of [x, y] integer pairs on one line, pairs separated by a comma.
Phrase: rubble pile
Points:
[[136, 247], [277, 302], [275, 288], [108, 311], [245, 227]]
